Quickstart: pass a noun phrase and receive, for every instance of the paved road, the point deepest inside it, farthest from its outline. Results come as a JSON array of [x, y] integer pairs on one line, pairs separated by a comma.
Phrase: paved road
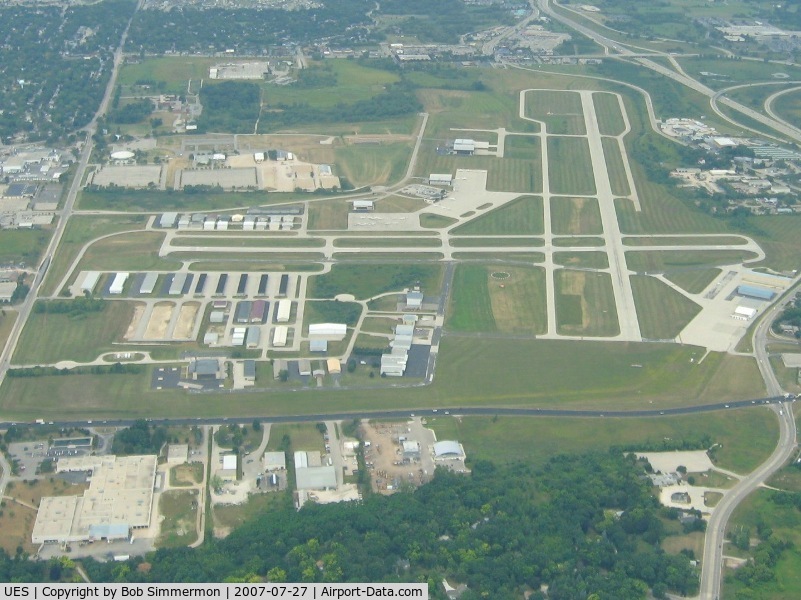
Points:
[[712, 572], [26, 307]]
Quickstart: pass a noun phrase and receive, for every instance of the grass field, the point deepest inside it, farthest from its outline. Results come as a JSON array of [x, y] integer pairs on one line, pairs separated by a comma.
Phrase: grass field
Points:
[[665, 260], [365, 164], [365, 281], [179, 525], [160, 200], [585, 304], [662, 312], [514, 304], [23, 245], [387, 242], [501, 257], [331, 311], [496, 242], [303, 436], [505, 439], [778, 237], [686, 240], [575, 216], [387, 256], [7, 320], [539, 373], [332, 214], [582, 242], [354, 82], [273, 256], [787, 106], [610, 119], [231, 516], [399, 204], [560, 111], [48, 338], [504, 175], [526, 147], [522, 216], [431, 221], [615, 167], [584, 260], [127, 251], [173, 72], [694, 281], [570, 166], [80, 230]]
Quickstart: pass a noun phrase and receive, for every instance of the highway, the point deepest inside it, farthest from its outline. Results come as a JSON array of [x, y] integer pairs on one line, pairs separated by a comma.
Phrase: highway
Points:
[[712, 563]]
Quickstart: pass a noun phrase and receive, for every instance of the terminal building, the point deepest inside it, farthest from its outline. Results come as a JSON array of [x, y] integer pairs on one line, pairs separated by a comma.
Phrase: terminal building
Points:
[[119, 500]]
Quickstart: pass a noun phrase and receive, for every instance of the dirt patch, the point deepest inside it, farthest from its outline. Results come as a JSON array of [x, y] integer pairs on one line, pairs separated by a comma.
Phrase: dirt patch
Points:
[[159, 321], [390, 471], [186, 321], [139, 310]]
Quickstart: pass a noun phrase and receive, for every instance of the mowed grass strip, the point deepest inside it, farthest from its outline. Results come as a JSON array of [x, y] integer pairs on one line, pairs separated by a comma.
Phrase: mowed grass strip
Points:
[[470, 307], [663, 260], [383, 242], [526, 147], [248, 242], [591, 259], [127, 252], [511, 439], [570, 166], [578, 242], [509, 299], [366, 281], [388, 256], [575, 216], [522, 216], [498, 242], [685, 240], [607, 109], [50, 337], [561, 111], [694, 281], [501, 257], [585, 303], [662, 311], [535, 373], [615, 167]]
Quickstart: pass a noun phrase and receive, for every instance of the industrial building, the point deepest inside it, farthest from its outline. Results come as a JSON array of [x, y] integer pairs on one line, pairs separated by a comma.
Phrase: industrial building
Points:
[[177, 454], [90, 282], [440, 179], [753, 291], [274, 461], [118, 283], [284, 311], [448, 449], [329, 331], [253, 336], [148, 283], [363, 205], [279, 336], [230, 462], [411, 449], [205, 369], [179, 281], [119, 499], [7, 289]]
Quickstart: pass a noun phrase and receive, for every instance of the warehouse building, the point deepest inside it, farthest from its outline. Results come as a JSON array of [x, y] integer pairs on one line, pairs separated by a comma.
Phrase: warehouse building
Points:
[[249, 370], [168, 220], [148, 283], [284, 311], [253, 337], [440, 179], [363, 205], [258, 311], [205, 369], [753, 291], [90, 282], [280, 334], [464, 146], [177, 454], [118, 283], [119, 500], [329, 331], [414, 300], [242, 313], [7, 289], [179, 281], [744, 313]]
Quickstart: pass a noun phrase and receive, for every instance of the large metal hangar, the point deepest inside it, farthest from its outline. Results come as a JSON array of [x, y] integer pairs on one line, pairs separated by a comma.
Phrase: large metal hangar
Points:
[[448, 449], [756, 292]]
